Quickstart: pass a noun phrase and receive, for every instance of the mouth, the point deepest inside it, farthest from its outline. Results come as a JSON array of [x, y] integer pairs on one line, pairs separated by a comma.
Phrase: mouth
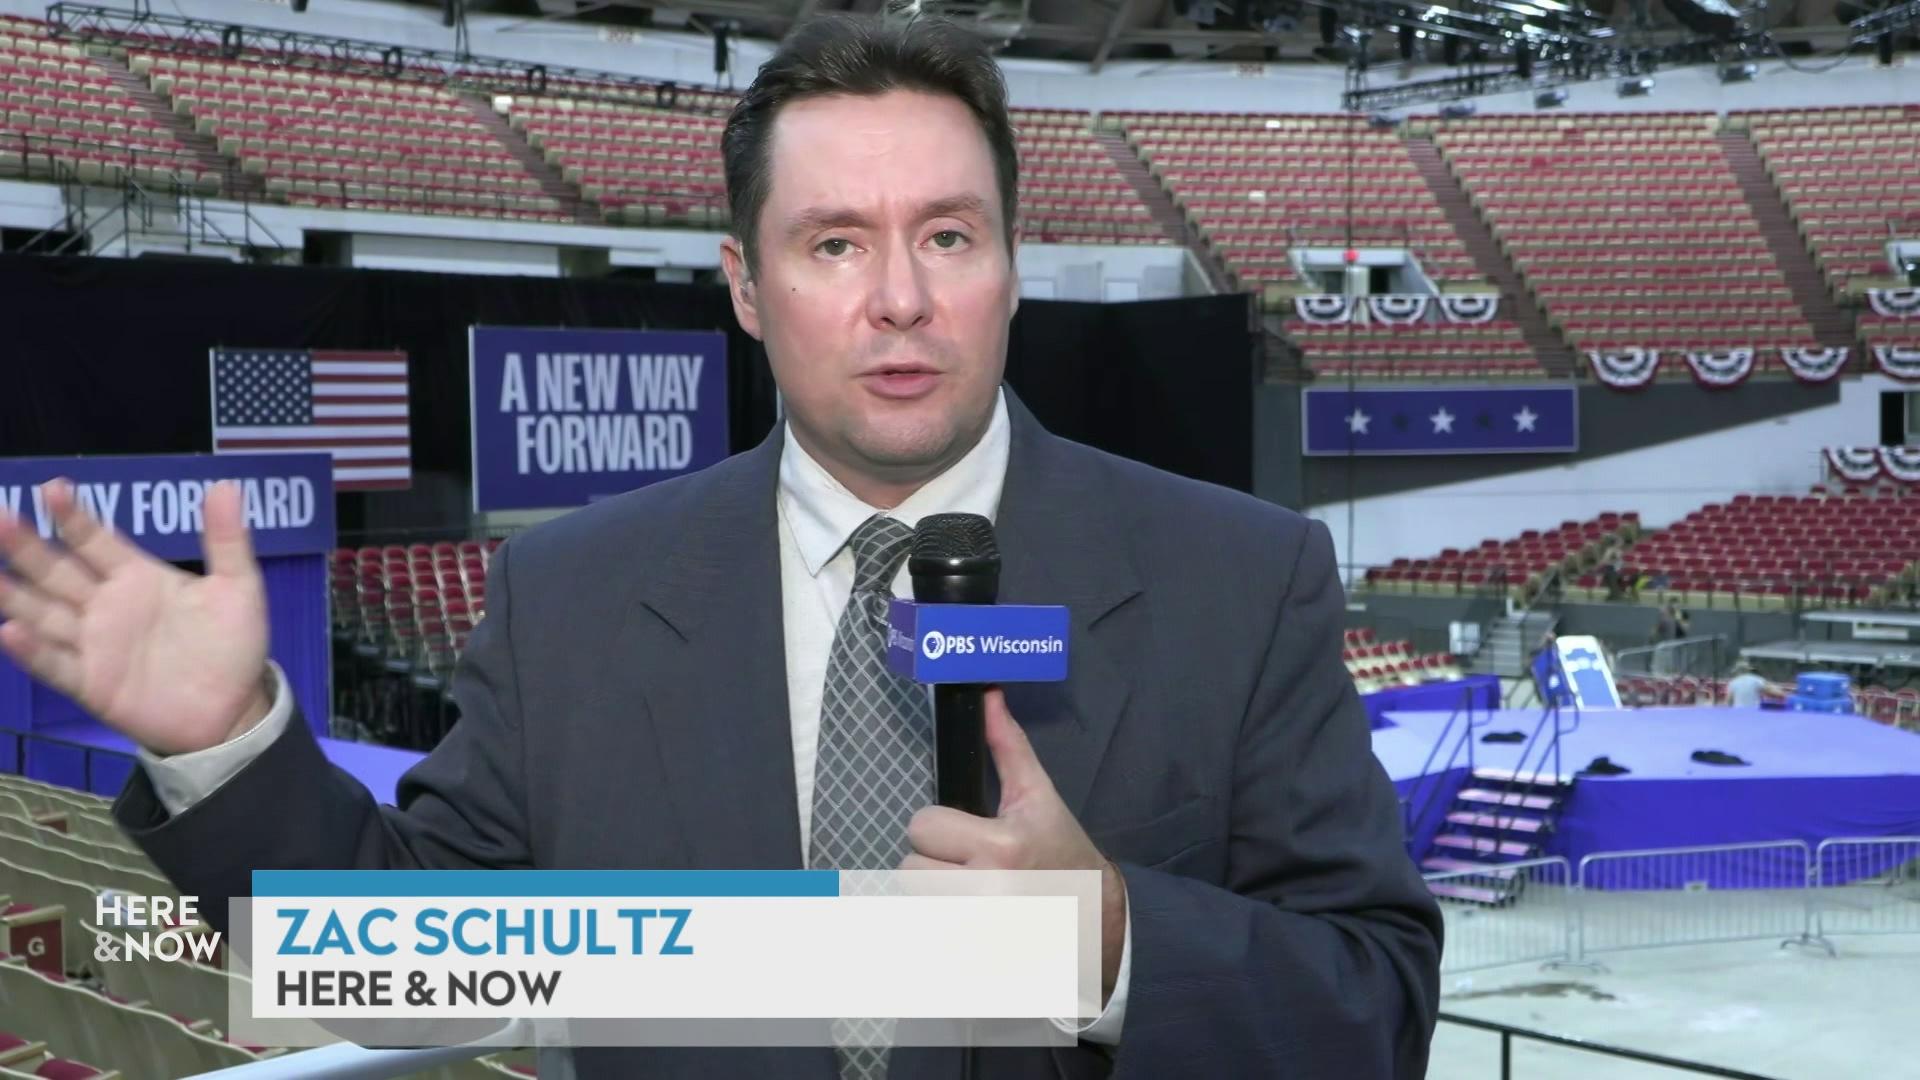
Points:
[[901, 381]]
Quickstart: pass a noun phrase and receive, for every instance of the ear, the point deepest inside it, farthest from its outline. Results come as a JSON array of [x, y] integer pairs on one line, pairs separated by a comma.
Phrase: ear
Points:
[[740, 286], [1013, 273]]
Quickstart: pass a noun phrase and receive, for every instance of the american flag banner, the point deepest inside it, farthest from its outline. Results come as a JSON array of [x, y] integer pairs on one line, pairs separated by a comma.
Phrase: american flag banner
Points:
[[352, 405]]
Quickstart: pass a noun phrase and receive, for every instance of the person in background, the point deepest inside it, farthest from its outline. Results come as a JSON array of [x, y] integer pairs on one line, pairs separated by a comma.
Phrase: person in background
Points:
[[1745, 688]]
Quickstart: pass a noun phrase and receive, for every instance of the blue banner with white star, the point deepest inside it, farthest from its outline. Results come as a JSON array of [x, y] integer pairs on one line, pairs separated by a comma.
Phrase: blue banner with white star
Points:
[[1440, 420]]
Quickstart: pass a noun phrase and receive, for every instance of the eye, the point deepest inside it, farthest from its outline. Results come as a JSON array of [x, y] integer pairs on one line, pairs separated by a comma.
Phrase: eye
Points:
[[948, 239], [833, 247]]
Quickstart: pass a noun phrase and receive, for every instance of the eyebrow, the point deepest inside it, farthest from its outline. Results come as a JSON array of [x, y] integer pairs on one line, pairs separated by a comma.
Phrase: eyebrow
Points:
[[817, 218]]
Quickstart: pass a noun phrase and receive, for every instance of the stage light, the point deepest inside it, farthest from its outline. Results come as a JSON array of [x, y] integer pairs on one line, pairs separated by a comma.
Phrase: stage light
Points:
[[1883, 48], [1735, 73], [1450, 50], [449, 12], [1406, 41], [720, 31], [1329, 25], [1550, 99], [299, 6], [1639, 86], [1523, 61]]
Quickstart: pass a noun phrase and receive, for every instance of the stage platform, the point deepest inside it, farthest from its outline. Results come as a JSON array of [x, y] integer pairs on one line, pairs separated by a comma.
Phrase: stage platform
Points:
[[1877, 654], [378, 767], [1811, 777]]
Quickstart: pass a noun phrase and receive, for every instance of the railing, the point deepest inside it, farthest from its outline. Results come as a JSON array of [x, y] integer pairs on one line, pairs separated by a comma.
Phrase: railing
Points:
[[1618, 901], [1508, 1033], [1867, 886], [140, 179], [1697, 656], [21, 738], [1694, 895], [1548, 725], [1427, 787], [1529, 916]]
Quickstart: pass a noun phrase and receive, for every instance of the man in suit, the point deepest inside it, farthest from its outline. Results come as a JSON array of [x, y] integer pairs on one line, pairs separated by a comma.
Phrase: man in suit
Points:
[[685, 676]]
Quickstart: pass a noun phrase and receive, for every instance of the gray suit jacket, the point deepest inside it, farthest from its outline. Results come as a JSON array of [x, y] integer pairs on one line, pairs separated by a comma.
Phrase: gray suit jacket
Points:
[[624, 705]]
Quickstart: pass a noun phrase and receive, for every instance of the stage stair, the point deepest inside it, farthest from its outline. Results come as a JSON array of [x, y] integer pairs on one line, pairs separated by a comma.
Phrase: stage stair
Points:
[[1499, 817]]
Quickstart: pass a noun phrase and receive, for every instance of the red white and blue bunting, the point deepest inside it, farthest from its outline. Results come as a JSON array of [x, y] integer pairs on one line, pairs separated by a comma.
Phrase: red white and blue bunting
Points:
[[1815, 365], [1324, 309], [1862, 464], [1398, 309], [1901, 463], [1721, 369], [1626, 369], [1901, 303], [1899, 361], [1857, 464], [1469, 307]]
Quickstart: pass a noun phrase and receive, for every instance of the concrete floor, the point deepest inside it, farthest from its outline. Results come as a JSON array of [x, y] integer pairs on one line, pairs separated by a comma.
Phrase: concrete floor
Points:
[[1778, 1012]]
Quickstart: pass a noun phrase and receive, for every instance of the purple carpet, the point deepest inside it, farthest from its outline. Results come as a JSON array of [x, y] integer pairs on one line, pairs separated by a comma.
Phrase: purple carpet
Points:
[[1811, 776]]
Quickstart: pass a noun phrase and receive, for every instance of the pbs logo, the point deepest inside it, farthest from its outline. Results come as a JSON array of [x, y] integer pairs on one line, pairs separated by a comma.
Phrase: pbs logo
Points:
[[934, 644]]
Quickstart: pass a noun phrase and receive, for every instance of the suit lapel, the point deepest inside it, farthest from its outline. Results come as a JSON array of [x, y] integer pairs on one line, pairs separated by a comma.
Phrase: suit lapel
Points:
[[718, 704], [1062, 542], [719, 700]]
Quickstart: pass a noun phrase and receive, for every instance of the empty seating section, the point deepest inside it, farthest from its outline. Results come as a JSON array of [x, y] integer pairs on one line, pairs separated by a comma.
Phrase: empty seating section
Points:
[[1421, 350], [357, 142], [142, 1019], [59, 104], [1377, 665], [1897, 708], [1846, 174], [1629, 228], [1878, 329], [1770, 552], [1257, 187], [1071, 190], [644, 165], [1519, 567], [417, 603]]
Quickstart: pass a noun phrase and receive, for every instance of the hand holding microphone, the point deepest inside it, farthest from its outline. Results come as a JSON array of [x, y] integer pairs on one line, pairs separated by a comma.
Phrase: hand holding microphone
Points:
[[955, 559]]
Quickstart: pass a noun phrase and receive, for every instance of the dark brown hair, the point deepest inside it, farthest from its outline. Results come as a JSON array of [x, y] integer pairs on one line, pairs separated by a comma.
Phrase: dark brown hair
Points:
[[864, 56]]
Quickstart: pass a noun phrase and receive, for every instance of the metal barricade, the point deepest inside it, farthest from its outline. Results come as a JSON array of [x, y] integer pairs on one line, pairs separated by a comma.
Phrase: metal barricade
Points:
[[1868, 886], [1694, 895], [1511, 913]]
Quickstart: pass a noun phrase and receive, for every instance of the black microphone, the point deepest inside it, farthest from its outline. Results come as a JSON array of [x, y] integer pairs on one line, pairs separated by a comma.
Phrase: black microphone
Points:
[[956, 560]]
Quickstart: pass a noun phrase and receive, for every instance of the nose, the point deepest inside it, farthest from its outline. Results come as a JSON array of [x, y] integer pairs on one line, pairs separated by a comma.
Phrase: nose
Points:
[[898, 299]]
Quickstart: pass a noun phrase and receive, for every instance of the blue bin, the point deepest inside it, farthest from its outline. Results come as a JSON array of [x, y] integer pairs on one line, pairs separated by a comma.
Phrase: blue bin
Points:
[[1803, 703], [1824, 685]]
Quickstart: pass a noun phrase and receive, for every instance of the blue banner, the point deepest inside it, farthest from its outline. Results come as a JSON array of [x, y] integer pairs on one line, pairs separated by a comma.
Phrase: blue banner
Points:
[[977, 643], [565, 417], [1441, 420], [155, 501]]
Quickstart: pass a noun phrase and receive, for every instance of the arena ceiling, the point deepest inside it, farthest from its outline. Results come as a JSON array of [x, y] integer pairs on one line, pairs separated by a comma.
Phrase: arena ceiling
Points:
[[1095, 32]]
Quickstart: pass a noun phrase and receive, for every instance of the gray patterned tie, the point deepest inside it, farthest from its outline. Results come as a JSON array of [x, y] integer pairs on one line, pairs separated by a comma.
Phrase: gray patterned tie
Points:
[[875, 763]]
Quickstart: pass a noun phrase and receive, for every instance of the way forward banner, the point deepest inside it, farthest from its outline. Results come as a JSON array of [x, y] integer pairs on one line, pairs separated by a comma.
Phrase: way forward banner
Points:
[[155, 501], [1441, 420], [564, 417]]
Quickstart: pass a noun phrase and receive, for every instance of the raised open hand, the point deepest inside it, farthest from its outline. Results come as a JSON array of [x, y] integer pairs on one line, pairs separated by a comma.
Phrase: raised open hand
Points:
[[173, 660]]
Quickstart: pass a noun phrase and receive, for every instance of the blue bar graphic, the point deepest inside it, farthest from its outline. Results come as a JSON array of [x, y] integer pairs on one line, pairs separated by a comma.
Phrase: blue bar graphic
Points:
[[531, 883]]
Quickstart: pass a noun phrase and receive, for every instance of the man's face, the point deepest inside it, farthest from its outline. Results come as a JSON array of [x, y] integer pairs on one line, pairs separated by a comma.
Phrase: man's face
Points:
[[883, 282]]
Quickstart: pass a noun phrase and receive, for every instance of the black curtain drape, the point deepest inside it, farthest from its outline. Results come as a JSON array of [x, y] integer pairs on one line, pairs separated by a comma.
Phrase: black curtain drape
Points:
[[109, 356]]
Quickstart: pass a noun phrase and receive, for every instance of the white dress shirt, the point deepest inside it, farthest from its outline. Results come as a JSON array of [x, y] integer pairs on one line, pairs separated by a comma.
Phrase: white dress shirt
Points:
[[817, 516]]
